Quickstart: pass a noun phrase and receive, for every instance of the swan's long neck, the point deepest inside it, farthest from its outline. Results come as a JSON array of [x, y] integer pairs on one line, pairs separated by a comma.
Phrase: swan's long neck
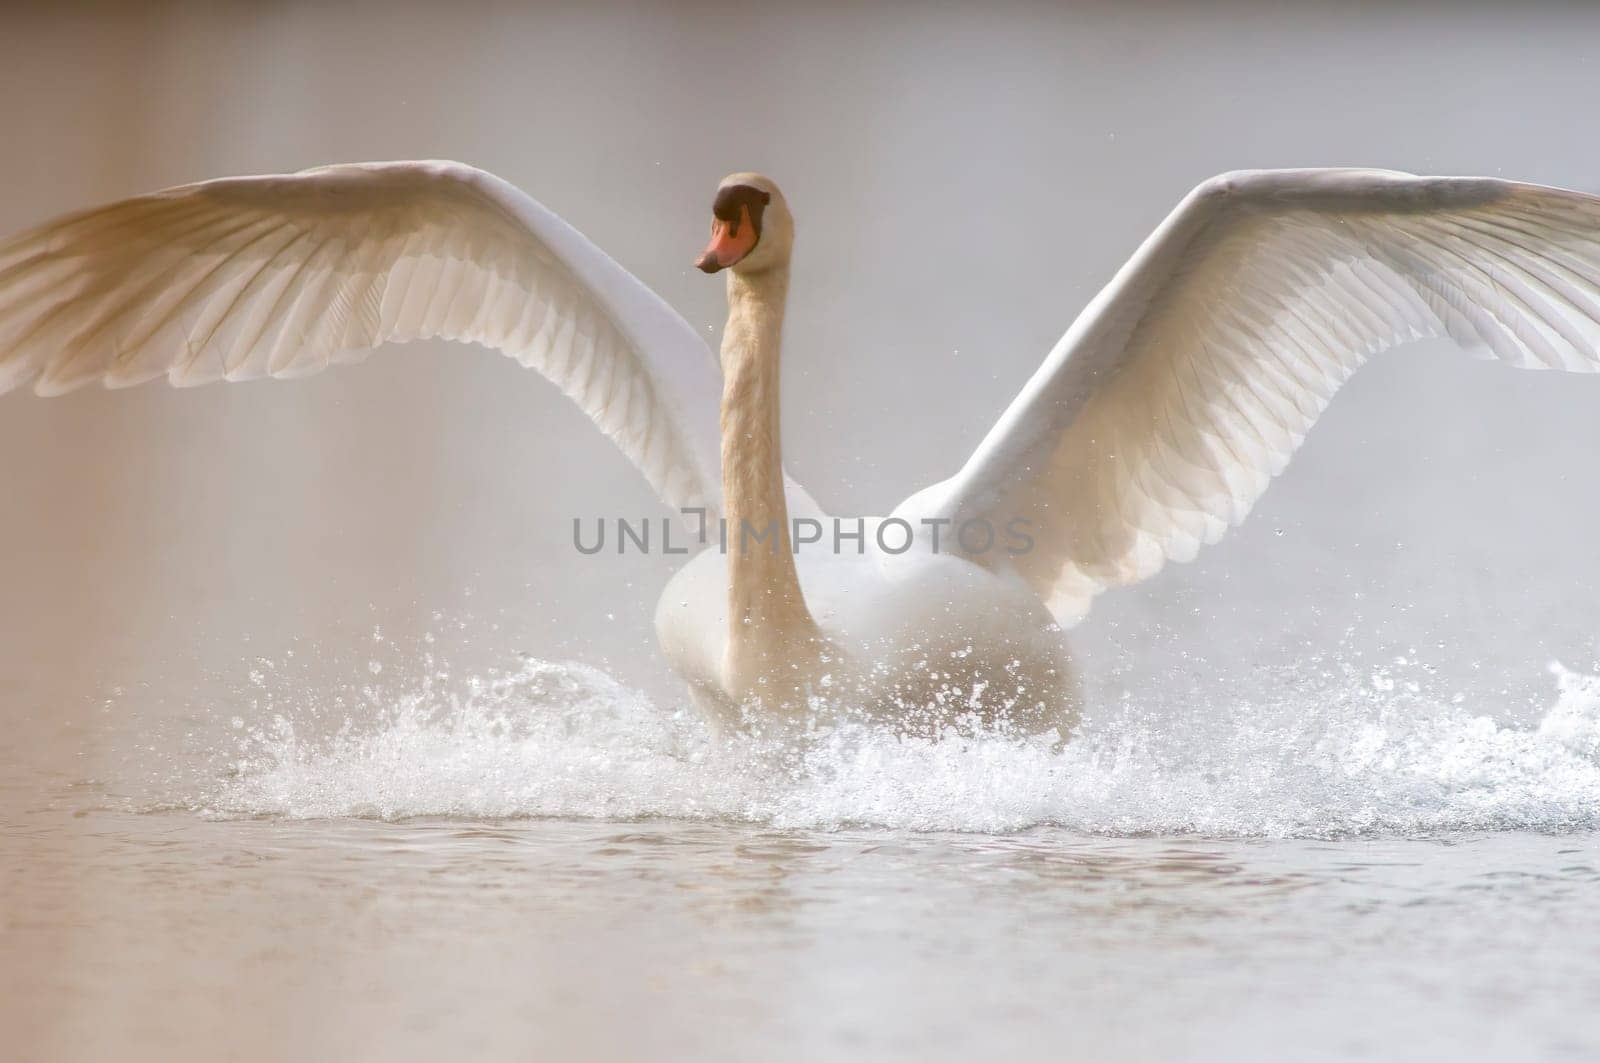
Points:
[[767, 615]]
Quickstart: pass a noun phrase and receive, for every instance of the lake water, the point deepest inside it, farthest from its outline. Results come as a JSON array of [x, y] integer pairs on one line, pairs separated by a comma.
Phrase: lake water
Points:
[[542, 864]]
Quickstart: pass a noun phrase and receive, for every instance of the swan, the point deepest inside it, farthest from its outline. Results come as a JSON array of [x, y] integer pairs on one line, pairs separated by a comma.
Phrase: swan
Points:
[[1151, 427]]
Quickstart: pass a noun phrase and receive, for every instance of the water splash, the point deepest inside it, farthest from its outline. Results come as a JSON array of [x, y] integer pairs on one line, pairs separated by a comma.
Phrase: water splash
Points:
[[1338, 753]]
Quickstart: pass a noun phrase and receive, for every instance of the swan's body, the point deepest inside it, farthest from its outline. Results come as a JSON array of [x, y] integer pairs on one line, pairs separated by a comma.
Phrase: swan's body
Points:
[[923, 638], [1151, 428]]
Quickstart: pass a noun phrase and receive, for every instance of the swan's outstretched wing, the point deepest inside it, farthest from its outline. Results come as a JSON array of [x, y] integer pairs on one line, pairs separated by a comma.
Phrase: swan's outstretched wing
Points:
[[1158, 419], [279, 276]]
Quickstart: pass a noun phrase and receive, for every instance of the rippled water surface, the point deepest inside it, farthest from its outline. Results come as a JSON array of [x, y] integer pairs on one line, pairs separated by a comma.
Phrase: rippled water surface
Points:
[[577, 939], [544, 864]]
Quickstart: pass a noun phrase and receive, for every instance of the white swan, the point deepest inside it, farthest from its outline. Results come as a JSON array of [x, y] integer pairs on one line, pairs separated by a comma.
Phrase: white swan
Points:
[[1154, 424]]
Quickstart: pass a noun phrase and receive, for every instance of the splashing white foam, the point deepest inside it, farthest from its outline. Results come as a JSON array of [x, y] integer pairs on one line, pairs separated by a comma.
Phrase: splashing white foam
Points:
[[548, 739]]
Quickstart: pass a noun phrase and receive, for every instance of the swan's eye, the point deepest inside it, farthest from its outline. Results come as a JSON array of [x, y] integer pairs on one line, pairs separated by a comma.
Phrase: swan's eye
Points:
[[735, 226], [732, 203]]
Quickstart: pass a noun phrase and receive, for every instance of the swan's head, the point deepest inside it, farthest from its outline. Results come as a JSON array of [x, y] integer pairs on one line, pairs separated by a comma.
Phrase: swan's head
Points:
[[751, 227]]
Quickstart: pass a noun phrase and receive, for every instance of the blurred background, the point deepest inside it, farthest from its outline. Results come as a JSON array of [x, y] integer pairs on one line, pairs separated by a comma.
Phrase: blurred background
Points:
[[964, 181], [178, 567]]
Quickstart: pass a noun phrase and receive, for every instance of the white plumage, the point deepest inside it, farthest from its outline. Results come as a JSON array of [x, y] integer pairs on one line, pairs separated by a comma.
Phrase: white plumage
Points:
[[1159, 418], [1151, 428], [281, 276]]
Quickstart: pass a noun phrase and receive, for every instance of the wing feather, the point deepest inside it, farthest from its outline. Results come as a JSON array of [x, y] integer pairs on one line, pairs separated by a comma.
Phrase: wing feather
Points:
[[280, 276], [1164, 412]]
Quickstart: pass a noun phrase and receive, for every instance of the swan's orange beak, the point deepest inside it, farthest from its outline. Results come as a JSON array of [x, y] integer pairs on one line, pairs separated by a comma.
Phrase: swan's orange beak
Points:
[[730, 242]]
